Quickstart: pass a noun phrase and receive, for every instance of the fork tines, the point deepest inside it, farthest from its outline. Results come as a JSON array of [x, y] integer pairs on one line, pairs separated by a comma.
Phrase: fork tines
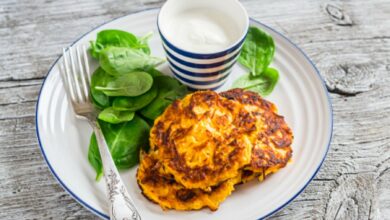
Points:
[[75, 68]]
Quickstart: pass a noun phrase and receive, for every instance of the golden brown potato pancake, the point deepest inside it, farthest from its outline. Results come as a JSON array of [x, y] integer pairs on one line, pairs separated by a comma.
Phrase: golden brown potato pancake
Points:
[[203, 139], [272, 148], [205, 144], [160, 187]]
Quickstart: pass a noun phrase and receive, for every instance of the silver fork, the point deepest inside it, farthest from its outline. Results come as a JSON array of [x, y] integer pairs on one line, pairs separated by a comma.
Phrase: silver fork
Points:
[[76, 79]]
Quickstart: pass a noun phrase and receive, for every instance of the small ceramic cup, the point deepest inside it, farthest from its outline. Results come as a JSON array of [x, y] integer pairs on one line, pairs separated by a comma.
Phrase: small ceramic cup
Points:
[[200, 70]]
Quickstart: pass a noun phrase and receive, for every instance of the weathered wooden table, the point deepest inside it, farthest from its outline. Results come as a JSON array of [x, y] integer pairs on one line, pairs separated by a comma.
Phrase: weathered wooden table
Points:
[[349, 41]]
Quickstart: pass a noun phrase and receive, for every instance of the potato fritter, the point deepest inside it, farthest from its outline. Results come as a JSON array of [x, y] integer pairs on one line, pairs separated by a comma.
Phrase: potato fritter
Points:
[[161, 187], [272, 148], [203, 139], [205, 144]]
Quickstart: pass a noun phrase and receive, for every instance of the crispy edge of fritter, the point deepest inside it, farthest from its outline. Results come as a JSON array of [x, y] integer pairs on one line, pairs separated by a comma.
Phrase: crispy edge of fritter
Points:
[[161, 188], [248, 98], [266, 155], [260, 174]]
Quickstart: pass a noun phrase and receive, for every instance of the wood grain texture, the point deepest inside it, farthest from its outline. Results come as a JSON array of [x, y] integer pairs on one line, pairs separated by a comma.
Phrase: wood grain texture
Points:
[[349, 41]]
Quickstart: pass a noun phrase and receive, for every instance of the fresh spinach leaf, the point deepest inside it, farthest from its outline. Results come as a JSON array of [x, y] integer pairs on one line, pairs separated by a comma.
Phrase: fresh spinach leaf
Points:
[[143, 43], [257, 51], [123, 103], [124, 141], [118, 38], [130, 84], [263, 84], [121, 60], [100, 79], [150, 123], [94, 157], [113, 116], [271, 77], [169, 89], [154, 72]]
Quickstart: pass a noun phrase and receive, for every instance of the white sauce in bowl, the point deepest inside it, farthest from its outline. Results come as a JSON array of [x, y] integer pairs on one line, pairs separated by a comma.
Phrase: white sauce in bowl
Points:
[[202, 31]]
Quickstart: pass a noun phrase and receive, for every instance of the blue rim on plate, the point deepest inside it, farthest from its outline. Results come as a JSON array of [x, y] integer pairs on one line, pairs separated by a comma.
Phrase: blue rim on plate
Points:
[[86, 205]]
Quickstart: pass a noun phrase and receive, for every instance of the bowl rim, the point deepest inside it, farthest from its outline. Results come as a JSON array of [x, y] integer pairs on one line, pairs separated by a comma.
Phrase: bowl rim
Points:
[[233, 46]]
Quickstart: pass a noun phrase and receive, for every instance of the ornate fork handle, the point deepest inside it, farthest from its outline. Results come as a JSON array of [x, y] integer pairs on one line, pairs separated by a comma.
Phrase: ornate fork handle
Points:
[[76, 80], [121, 205]]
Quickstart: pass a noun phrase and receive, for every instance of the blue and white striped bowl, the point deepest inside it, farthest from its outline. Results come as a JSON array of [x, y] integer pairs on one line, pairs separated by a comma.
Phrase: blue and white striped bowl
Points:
[[203, 70]]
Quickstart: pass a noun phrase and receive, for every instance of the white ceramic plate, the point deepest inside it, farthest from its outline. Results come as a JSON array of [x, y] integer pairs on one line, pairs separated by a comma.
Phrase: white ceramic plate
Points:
[[300, 96]]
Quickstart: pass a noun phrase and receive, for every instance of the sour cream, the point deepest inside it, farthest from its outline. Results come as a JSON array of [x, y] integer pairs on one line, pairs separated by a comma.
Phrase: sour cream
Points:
[[201, 31]]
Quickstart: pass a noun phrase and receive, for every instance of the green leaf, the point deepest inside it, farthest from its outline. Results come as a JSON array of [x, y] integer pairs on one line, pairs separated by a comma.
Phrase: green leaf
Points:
[[154, 72], [130, 84], [169, 89], [124, 141], [100, 79], [124, 103], [95, 49], [263, 84], [121, 60], [118, 38], [149, 121], [143, 42], [94, 157], [113, 116], [257, 52]]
